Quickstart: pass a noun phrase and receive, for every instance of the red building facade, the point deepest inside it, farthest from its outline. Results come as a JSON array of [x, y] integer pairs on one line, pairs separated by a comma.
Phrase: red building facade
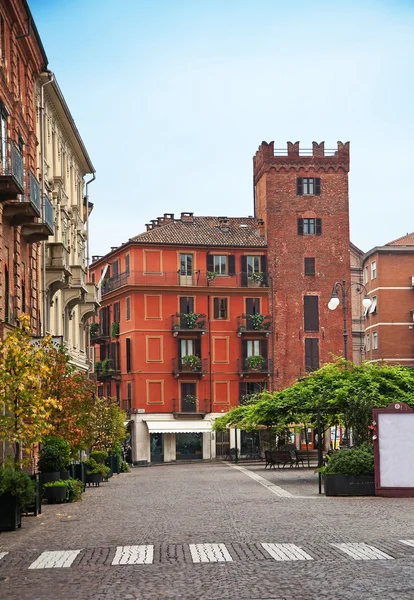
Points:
[[200, 312]]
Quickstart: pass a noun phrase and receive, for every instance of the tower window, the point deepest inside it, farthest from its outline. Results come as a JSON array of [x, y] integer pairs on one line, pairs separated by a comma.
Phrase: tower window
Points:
[[310, 266], [309, 226], [308, 186]]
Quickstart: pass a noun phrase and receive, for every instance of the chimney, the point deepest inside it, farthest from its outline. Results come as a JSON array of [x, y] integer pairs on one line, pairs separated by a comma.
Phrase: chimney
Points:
[[154, 223], [114, 248], [95, 258], [187, 217], [148, 226], [168, 217], [262, 227]]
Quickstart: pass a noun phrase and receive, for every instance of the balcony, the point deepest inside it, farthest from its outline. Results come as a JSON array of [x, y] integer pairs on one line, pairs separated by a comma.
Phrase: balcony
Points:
[[40, 230], [89, 307], [255, 324], [98, 333], [175, 279], [188, 323], [250, 367], [190, 406], [188, 365], [107, 369], [57, 267], [11, 175]]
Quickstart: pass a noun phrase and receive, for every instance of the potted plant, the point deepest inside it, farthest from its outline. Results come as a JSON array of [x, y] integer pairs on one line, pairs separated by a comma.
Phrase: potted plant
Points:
[[105, 366], [95, 473], [190, 319], [256, 321], [191, 362], [55, 491], [350, 473], [98, 366], [254, 363], [115, 329], [211, 276], [74, 490], [93, 330], [101, 457], [17, 491], [255, 278], [54, 458]]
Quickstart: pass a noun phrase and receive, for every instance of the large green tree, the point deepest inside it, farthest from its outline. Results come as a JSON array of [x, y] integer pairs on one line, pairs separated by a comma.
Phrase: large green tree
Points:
[[344, 396]]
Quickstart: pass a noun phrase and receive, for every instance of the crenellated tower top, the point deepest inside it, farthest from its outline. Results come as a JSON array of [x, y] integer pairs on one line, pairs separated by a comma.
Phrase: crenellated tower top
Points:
[[317, 158]]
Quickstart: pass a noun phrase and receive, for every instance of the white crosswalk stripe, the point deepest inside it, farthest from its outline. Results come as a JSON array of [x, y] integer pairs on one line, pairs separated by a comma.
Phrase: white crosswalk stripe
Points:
[[55, 560], [202, 553], [362, 551], [3, 554], [286, 552], [407, 542], [134, 555]]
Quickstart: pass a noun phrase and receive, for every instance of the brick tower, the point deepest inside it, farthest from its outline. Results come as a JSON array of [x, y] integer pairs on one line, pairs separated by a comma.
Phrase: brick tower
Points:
[[302, 197]]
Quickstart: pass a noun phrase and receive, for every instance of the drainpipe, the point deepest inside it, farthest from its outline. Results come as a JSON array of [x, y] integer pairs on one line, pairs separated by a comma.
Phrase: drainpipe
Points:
[[43, 188], [86, 199]]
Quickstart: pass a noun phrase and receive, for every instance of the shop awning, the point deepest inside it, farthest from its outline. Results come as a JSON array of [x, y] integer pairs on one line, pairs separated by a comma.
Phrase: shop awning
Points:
[[178, 426]]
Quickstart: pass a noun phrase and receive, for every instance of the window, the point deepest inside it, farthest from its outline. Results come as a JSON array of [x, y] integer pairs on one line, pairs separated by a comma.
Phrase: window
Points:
[[2, 41], [220, 265], [187, 347], [108, 390], [253, 264], [128, 308], [220, 308], [311, 354], [186, 304], [118, 391], [129, 395], [253, 348], [366, 274], [186, 264], [93, 277], [373, 307], [127, 264], [115, 268], [309, 226], [117, 312], [308, 186], [311, 313], [310, 266], [374, 340], [128, 354], [374, 269], [252, 306], [100, 391], [3, 140], [368, 342]]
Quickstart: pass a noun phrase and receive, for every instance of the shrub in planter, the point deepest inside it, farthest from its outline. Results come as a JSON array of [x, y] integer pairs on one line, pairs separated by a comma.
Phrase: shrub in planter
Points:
[[55, 491], [74, 490], [17, 491], [191, 361], [256, 277], [254, 363], [99, 456], [211, 275], [95, 472], [350, 473], [256, 321], [54, 457]]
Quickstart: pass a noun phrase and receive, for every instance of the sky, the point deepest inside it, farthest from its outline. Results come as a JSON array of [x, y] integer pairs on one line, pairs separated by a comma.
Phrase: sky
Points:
[[173, 97]]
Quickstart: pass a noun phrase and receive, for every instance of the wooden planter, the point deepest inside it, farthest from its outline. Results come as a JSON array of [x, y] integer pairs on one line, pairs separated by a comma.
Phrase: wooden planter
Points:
[[10, 515], [349, 485]]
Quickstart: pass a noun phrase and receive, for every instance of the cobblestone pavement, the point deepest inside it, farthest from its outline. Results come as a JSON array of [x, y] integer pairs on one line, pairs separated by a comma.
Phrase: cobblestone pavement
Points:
[[211, 531]]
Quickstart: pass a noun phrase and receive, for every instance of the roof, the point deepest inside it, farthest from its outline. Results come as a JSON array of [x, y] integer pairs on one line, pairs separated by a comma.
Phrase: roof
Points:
[[205, 231], [405, 240]]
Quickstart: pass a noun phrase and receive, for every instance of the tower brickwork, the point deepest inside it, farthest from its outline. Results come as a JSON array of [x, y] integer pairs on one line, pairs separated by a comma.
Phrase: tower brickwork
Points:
[[302, 197]]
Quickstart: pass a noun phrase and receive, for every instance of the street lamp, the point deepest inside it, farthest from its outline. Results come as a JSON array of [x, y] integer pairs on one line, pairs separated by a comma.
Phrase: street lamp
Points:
[[340, 294]]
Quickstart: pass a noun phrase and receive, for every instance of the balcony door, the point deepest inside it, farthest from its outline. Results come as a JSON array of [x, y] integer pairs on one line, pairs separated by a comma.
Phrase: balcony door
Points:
[[188, 394], [186, 269], [3, 146]]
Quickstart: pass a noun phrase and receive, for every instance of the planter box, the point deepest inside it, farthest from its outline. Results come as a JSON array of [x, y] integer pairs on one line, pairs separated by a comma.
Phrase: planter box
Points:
[[35, 508], [114, 464], [349, 485], [94, 479], [55, 494], [49, 476], [10, 516], [64, 474]]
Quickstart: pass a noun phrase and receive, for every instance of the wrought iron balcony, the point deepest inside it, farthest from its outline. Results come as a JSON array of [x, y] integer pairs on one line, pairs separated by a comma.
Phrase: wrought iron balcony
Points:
[[181, 366], [190, 405], [48, 216], [34, 192], [246, 366], [188, 322], [11, 175], [106, 369], [254, 324]]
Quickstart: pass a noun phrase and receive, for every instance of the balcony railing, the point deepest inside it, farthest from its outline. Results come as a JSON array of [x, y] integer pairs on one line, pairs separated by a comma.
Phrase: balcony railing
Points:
[[263, 367], [106, 368], [16, 164], [175, 278], [179, 367], [48, 212], [190, 405], [188, 322], [254, 324], [34, 192]]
